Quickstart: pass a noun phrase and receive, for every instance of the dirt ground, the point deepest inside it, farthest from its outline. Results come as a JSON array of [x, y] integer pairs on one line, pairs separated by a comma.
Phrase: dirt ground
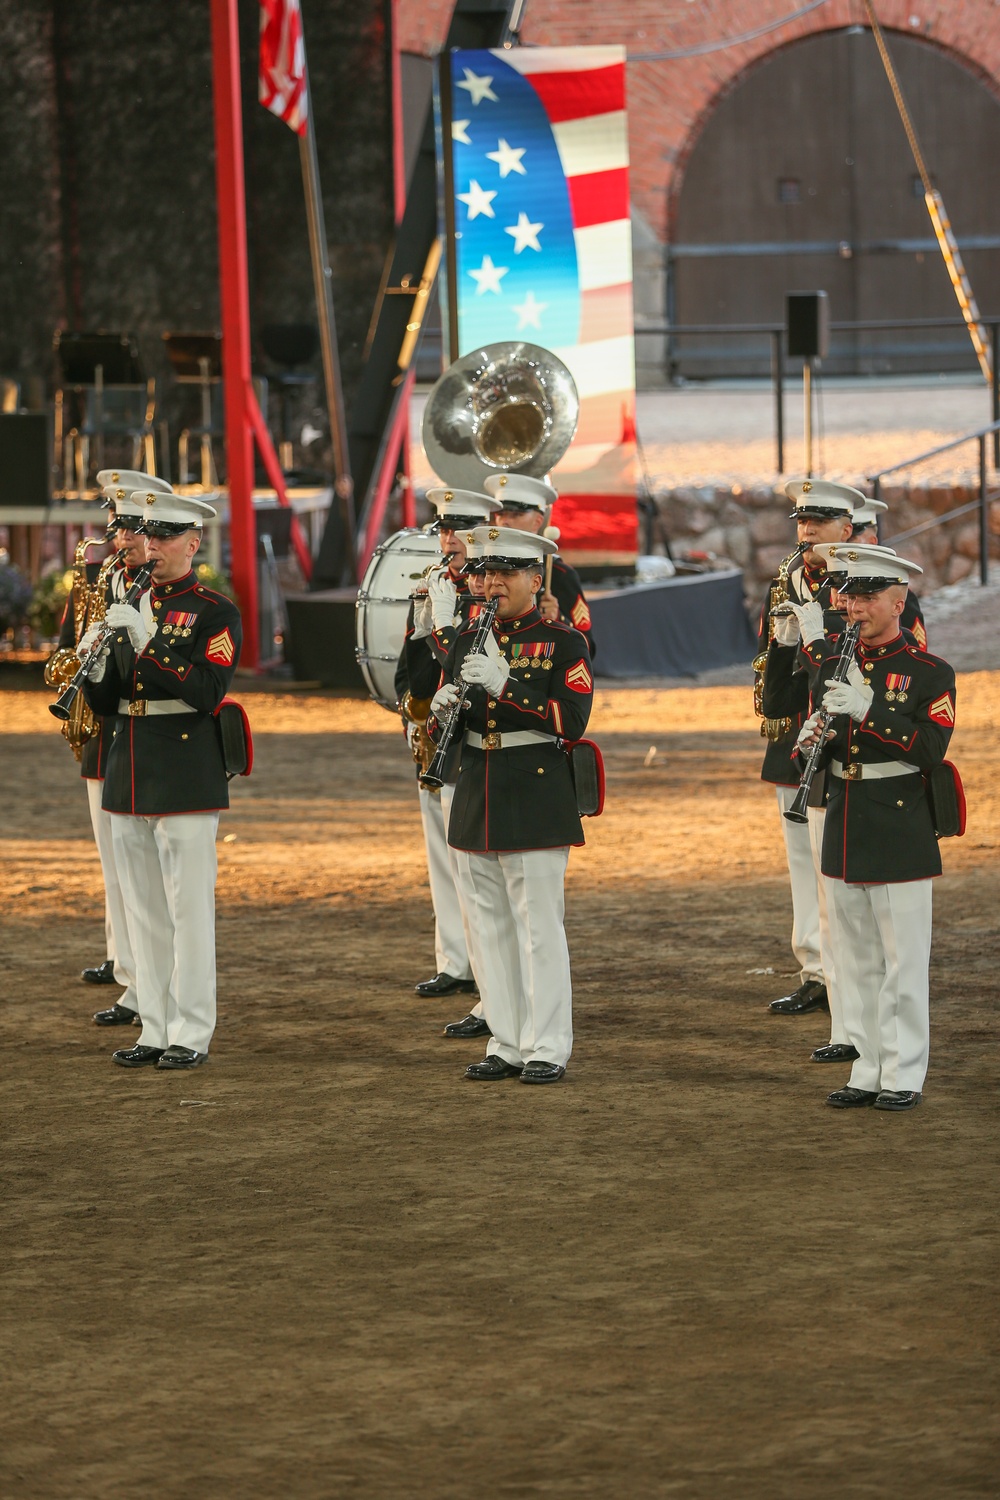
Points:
[[324, 1265]]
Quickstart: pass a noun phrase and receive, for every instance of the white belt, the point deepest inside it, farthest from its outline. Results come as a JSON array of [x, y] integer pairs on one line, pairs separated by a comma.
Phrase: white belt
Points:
[[880, 772], [139, 707], [508, 741]]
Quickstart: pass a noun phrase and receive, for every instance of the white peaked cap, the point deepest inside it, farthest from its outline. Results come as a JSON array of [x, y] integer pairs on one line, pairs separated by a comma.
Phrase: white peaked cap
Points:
[[864, 568], [509, 546], [867, 514], [460, 504], [157, 505], [520, 489], [822, 499]]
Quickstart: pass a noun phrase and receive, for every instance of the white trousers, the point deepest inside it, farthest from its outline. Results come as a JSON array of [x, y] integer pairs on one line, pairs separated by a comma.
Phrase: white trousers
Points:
[[885, 949], [814, 941], [119, 946], [458, 863], [450, 951], [168, 868], [516, 906]]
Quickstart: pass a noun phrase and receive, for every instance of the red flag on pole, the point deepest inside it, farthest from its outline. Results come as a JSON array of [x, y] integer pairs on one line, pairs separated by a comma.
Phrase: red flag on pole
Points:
[[281, 86]]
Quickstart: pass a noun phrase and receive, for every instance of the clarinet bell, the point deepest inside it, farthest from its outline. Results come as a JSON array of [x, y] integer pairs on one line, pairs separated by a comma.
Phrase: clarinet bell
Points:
[[63, 706]]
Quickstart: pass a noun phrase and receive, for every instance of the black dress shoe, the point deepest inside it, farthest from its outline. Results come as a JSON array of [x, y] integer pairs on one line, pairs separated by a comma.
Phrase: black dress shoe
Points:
[[471, 1026], [890, 1099], [137, 1057], [808, 996], [492, 1067], [542, 1072], [181, 1057], [849, 1098], [103, 974], [836, 1052], [118, 1015], [444, 984]]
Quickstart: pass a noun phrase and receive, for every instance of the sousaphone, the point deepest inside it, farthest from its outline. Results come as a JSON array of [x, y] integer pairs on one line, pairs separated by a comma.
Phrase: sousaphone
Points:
[[505, 408]]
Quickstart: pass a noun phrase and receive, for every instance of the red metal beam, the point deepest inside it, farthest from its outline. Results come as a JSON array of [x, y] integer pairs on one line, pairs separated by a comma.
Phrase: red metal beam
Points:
[[235, 300]]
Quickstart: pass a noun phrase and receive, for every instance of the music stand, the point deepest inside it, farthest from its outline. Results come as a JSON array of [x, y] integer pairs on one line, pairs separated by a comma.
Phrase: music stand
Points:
[[196, 359], [93, 366]]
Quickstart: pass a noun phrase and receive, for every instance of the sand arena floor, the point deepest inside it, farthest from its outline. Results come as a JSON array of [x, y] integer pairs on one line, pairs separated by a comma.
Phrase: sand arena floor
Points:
[[324, 1265]]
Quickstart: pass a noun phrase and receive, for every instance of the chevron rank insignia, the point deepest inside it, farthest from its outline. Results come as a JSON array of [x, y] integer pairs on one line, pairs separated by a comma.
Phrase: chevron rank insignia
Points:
[[580, 615], [919, 634], [221, 649], [579, 679], [942, 711]]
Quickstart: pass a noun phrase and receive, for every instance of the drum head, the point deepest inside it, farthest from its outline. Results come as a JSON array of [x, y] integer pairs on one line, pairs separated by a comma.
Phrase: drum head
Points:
[[395, 570]]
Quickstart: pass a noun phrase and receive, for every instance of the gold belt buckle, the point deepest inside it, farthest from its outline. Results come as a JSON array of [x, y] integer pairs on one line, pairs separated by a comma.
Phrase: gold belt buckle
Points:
[[852, 772], [491, 742], [137, 708]]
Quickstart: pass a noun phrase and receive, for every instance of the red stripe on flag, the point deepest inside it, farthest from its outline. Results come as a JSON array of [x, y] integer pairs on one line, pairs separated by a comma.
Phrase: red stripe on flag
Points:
[[281, 79], [605, 313], [574, 96], [597, 197], [597, 523]]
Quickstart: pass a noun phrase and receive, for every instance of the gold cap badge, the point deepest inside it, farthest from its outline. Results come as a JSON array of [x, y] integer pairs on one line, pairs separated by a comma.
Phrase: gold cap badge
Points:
[[150, 499], [115, 477], [494, 533], [469, 537], [852, 557], [119, 494], [503, 480], [807, 487], [449, 495]]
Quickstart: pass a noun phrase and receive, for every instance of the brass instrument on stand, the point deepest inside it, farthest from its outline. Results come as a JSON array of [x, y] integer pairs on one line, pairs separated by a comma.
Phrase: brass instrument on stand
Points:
[[89, 608], [773, 729]]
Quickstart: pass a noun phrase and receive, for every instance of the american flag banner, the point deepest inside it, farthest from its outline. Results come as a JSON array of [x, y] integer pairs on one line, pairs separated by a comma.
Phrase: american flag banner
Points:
[[281, 81], [543, 252]]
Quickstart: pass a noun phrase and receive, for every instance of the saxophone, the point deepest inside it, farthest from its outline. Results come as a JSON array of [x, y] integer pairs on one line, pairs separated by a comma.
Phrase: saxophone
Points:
[[772, 729], [90, 605], [415, 711]]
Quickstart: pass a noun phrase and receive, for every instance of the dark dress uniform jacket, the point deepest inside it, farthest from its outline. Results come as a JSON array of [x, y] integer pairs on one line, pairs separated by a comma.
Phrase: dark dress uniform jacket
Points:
[[881, 831], [171, 763], [94, 756], [573, 607], [786, 678], [523, 797]]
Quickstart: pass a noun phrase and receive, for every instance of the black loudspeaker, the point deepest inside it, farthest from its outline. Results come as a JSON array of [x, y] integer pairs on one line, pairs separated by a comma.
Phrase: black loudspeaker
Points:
[[25, 459], [322, 629], [807, 318]]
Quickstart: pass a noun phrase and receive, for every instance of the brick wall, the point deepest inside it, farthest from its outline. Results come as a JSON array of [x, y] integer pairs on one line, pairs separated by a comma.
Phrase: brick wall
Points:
[[669, 100]]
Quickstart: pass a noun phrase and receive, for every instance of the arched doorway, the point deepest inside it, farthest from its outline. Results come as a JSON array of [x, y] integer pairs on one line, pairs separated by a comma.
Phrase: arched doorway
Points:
[[802, 179]]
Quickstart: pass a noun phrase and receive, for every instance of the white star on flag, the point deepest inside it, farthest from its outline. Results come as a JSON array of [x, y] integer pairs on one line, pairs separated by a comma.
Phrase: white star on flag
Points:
[[478, 201], [460, 131], [478, 87], [487, 278], [529, 312], [507, 158], [525, 234]]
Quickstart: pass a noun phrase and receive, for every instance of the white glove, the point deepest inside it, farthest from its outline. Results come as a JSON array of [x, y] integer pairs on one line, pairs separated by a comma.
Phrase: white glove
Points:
[[99, 664], [489, 668], [423, 622], [443, 597], [86, 643], [808, 734], [786, 630], [810, 618], [125, 617], [412, 736], [849, 698], [446, 697]]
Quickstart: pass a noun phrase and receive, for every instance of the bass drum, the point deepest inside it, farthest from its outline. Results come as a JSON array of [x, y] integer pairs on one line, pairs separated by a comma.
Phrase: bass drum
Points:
[[396, 568]]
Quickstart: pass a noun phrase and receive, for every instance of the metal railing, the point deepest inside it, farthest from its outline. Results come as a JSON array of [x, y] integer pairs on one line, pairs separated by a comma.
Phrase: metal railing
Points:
[[777, 334], [982, 503]]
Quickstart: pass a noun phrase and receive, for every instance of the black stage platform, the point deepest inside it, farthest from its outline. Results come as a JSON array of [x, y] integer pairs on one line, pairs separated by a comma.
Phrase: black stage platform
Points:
[[676, 628]]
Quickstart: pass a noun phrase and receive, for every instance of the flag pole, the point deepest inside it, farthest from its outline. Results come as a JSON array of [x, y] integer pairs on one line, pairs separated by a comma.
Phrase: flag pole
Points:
[[234, 289], [323, 288]]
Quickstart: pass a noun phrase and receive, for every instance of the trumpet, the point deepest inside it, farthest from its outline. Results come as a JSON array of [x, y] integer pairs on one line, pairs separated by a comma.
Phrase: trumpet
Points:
[[436, 774], [63, 706]]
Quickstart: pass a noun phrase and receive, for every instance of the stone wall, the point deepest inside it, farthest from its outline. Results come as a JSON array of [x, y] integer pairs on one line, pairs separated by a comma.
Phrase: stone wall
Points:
[[751, 529]]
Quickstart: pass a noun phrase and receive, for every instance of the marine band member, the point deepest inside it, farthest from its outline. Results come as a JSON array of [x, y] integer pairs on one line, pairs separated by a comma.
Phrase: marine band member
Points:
[[894, 718], [526, 505], [866, 530], [164, 676], [433, 622], [823, 513], [515, 814]]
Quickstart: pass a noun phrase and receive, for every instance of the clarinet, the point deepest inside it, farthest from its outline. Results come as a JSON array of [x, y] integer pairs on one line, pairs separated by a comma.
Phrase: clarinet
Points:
[[797, 812], [434, 777], [63, 705]]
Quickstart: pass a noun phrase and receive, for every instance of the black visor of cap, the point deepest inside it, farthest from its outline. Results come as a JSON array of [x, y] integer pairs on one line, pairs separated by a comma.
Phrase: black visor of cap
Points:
[[474, 565], [819, 513], [459, 523], [166, 528], [868, 585], [124, 523], [500, 564], [518, 505]]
